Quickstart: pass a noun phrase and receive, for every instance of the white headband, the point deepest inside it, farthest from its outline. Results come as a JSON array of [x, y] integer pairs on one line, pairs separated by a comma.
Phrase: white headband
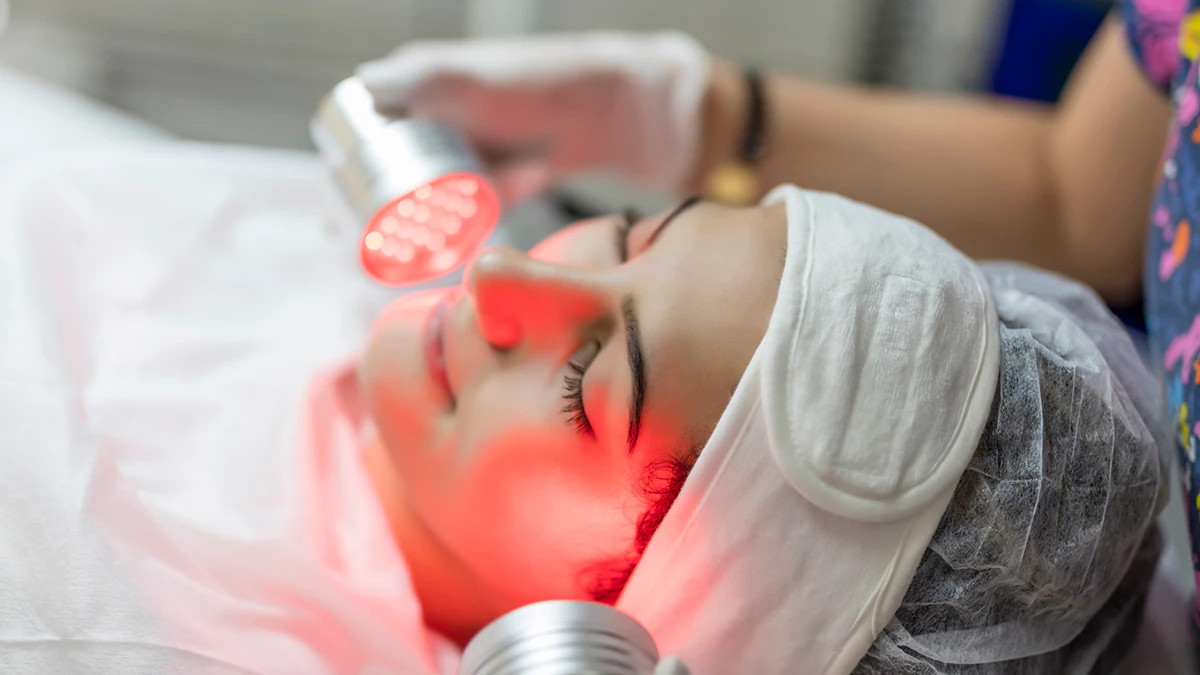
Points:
[[800, 527]]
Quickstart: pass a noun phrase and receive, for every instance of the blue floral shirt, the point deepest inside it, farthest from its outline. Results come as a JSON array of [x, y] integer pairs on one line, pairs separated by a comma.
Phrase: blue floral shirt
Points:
[[1165, 37]]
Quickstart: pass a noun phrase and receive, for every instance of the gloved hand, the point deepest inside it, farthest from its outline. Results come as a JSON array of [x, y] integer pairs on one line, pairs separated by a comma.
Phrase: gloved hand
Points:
[[541, 108]]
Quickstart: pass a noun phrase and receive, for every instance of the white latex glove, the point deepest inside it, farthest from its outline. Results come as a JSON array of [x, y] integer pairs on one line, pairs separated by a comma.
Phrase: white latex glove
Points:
[[542, 108]]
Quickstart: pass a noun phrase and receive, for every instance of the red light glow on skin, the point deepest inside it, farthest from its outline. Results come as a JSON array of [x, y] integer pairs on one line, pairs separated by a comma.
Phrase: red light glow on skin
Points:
[[430, 231], [526, 299], [497, 497]]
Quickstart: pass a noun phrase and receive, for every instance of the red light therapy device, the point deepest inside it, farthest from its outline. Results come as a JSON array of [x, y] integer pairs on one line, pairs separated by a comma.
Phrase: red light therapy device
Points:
[[425, 197]]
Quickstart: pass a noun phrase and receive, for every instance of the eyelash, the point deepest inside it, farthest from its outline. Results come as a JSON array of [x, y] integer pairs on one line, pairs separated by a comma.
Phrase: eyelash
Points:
[[573, 382], [574, 399]]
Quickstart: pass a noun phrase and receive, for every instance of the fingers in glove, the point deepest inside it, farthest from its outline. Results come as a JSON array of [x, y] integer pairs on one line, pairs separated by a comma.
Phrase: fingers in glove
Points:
[[522, 181], [500, 62]]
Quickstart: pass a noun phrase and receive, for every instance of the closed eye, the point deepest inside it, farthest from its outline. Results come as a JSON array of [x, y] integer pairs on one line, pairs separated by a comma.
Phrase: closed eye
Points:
[[573, 389]]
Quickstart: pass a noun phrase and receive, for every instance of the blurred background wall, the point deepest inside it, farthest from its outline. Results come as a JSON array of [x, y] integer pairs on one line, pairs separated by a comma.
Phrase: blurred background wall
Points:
[[251, 71]]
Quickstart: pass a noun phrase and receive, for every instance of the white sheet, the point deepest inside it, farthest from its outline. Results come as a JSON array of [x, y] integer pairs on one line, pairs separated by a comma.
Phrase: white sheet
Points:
[[38, 120], [164, 310]]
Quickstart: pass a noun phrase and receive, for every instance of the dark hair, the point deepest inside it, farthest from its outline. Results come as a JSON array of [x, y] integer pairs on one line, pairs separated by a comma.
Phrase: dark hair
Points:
[[659, 485]]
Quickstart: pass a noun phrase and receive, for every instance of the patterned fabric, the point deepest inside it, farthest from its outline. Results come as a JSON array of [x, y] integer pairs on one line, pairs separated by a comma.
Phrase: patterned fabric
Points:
[[1165, 37]]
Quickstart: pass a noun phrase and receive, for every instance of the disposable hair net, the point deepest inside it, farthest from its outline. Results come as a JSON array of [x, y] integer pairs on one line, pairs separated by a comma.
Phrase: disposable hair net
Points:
[[928, 467], [1041, 562]]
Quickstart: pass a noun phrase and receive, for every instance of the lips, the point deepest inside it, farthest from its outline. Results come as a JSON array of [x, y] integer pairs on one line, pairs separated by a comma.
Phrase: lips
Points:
[[435, 347]]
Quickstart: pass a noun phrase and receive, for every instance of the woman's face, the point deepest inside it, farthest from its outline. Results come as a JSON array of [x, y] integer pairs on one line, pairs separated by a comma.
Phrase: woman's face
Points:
[[523, 412]]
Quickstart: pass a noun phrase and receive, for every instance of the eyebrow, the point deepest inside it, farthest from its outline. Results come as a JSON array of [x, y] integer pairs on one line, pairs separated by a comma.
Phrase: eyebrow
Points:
[[637, 371], [683, 206], [633, 339]]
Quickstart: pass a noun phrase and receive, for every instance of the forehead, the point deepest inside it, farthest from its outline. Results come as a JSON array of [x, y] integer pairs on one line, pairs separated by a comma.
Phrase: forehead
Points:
[[705, 293]]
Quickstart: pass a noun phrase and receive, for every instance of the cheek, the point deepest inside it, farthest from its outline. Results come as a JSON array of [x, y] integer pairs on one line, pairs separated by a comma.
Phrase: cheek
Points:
[[516, 449], [436, 472], [543, 510], [530, 505]]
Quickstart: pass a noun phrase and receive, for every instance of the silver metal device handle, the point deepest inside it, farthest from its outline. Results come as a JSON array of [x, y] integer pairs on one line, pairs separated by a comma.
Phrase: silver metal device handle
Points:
[[565, 638], [671, 666], [376, 158]]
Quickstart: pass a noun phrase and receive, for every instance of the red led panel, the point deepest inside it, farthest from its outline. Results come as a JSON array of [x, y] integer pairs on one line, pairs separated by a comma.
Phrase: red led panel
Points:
[[429, 231]]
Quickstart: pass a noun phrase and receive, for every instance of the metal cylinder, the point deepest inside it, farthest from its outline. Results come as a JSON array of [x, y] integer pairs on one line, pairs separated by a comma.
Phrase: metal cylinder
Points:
[[376, 158], [383, 162], [562, 638]]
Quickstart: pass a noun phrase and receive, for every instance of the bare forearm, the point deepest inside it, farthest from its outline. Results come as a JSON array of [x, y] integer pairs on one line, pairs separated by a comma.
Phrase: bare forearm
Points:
[[1066, 188], [969, 169]]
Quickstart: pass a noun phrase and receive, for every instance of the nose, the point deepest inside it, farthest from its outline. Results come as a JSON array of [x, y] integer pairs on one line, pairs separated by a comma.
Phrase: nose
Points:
[[521, 300]]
